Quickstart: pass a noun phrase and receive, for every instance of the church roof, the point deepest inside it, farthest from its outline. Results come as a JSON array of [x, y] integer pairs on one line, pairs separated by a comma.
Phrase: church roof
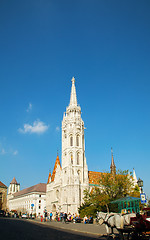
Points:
[[14, 181], [94, 177], [49, 178], [41, 187], [2, 185], [57, 162]]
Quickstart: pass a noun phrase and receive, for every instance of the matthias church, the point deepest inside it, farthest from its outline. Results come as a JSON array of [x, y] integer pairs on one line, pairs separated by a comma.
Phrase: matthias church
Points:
[[65, 187]]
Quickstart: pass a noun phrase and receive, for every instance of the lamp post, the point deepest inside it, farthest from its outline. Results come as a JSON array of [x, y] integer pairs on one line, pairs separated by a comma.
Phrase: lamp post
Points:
[[142, 194], [140, 184]]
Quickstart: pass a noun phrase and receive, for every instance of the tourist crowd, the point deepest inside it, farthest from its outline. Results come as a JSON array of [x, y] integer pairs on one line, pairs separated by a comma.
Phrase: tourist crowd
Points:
[[64, 217]]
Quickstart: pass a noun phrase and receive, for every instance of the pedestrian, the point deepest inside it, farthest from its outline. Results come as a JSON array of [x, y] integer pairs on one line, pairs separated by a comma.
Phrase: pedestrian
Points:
[[57, 216], [51, 216], [65, 217]]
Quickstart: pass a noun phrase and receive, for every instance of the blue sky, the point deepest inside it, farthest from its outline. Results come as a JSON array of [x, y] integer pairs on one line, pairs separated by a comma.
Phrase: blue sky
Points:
[[105, 45]]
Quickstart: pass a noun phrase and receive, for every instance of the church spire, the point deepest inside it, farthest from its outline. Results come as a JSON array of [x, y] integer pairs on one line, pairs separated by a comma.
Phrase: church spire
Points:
[[73, 97], [112, 166]]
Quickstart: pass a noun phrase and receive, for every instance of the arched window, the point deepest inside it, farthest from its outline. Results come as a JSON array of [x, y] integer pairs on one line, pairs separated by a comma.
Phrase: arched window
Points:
[[71, 156], [78, 160], [77, 140], [71, 140]]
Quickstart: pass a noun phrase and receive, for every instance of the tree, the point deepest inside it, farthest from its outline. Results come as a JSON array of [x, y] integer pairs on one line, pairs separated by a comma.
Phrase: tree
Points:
[[111, 187]]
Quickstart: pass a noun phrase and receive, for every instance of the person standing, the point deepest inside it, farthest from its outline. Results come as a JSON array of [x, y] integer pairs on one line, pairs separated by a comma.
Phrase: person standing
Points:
[[51, 216]]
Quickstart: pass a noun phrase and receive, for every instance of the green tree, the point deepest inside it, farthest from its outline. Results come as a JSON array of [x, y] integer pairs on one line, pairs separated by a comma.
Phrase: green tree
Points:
[[111, 187]]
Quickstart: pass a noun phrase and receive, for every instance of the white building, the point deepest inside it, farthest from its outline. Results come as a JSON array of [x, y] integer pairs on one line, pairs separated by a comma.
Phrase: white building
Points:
[[66, 185], [29, 200]]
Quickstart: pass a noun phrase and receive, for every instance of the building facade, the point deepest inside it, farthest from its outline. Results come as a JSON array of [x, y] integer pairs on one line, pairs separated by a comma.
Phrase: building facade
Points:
[[29, 200]]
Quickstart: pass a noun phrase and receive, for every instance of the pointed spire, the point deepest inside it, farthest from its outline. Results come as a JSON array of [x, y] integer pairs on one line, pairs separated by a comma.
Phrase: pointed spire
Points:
[[112, 166], [57, 162], [14, 181], [73, 97]]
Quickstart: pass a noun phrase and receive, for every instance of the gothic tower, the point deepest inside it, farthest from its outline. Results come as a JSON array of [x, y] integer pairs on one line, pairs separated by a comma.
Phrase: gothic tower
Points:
[[74, 167]]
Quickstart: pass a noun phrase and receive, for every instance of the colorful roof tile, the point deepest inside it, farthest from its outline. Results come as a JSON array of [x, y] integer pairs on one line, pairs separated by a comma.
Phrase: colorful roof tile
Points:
[[57, 162], [94, 177], [49, 178]]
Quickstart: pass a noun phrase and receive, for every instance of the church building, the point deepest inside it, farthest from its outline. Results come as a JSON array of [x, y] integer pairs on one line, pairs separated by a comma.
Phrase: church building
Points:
[[66, 185]]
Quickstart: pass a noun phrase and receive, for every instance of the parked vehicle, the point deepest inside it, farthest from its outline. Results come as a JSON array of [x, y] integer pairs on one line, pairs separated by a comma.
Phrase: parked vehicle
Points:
[[2, 213], [25, 216]]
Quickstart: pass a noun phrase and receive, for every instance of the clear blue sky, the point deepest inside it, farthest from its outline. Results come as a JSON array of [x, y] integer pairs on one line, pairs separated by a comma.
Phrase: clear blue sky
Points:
[[105, 45]]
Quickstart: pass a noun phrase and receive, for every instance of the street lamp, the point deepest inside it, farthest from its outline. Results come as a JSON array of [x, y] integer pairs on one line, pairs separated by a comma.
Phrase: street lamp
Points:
[[140, 184]]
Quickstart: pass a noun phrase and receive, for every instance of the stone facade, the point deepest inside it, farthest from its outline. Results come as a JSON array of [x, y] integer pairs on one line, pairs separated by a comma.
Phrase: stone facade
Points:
[[3, 196]]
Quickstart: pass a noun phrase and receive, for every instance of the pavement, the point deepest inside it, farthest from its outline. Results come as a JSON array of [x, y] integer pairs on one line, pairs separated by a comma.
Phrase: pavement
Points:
[[90, 229]]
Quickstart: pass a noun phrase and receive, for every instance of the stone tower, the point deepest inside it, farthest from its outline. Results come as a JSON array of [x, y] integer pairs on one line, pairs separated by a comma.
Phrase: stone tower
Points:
[[66, 185], [74, 167], [13, 187]]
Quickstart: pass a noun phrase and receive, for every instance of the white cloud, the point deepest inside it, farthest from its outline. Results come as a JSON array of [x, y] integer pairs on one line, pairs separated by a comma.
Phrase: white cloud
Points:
[[57, 129], [38, 127], [29, 107], [3, 151], [15, 152]]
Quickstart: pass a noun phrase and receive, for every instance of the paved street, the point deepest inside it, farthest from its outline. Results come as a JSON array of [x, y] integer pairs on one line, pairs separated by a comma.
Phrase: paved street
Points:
[[17, 229]]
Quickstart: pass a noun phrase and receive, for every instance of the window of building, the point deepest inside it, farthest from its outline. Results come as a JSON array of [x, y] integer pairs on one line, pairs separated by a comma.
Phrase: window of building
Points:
[[39, 207], [71, 140], [39, 201], [39, 195], [77, 140], [78, 159], [71, 158]]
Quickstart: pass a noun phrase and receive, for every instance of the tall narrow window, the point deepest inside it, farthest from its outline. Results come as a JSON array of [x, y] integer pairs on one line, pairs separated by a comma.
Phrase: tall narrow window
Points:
[[78, 161], [77, 140], [71, 156], [71, 140]]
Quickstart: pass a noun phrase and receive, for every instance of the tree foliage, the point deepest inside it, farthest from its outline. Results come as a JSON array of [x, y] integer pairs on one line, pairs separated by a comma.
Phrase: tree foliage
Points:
[[111, 187]]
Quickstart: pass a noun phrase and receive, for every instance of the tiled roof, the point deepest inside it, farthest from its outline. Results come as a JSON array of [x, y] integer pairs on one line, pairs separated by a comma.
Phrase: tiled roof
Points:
[[57, 162], [94, 177], [2, 185], [14, 181], [49, 178], [41, 187]]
